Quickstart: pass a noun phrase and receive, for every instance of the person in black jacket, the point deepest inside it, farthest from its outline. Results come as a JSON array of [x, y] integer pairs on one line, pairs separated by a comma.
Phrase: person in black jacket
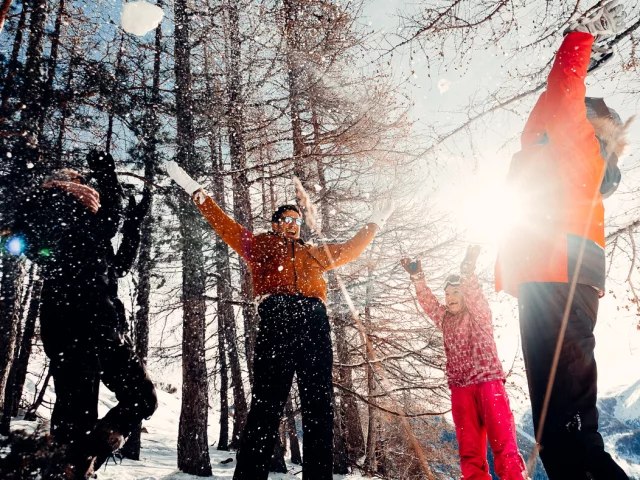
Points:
[[66, 227]]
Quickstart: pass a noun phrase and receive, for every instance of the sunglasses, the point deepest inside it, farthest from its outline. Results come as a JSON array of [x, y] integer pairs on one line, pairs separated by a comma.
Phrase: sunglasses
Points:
[[290, 220]]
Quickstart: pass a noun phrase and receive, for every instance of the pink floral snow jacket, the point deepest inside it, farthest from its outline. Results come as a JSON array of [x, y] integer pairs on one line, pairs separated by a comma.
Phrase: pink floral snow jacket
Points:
[[471, 351]]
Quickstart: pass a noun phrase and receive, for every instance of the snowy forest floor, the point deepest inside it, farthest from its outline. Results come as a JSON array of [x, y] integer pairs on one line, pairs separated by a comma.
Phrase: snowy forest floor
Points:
[[159, 455]]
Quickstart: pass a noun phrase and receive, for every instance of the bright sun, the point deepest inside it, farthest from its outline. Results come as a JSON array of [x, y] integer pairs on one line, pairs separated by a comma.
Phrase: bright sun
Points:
[[483, 208]]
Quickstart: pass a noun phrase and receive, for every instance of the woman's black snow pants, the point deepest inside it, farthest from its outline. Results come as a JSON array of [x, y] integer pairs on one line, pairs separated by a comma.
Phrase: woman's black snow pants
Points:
[[571, 447], [81, 336], [293, 338]]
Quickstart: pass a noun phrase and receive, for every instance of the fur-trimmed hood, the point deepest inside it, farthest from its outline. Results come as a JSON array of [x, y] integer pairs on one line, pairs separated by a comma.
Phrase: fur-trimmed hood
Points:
[[612, 134]]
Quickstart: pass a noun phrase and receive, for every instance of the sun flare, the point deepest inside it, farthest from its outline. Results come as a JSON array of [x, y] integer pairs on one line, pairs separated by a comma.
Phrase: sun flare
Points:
[[485, 209]]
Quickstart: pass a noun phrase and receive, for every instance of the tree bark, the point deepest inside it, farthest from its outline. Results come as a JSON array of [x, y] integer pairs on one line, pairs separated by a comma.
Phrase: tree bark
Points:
[[14, 64], [353, 435], [292, 432], [193, 445], [47, 90], [370, 465], [10, 407], [18, 373], [225, 310], [370, 458], [278, 464], [223, 439], [294, 77], [145, 263], [10, 296], [64, 115], [241, 196], [32, 86], [340, 456]]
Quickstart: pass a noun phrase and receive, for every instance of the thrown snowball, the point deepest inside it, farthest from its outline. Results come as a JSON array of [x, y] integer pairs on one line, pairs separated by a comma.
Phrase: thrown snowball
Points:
[[139, 18], [444, 85]]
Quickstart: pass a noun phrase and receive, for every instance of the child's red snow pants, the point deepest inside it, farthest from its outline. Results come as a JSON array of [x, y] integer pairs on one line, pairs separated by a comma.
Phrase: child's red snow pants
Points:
[[479, 411]]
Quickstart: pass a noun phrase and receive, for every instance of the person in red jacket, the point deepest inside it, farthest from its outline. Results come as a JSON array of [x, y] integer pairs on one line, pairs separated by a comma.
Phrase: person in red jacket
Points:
[[553, 257], [479, 402]]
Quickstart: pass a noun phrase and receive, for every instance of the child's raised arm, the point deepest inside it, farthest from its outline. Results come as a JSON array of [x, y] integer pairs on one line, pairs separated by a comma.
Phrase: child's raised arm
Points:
[[428, 301], [475, 300]]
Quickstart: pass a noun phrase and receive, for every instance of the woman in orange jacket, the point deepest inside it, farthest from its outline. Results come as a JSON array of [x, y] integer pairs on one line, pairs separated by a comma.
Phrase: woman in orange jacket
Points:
[[294, 336], [553, 258]]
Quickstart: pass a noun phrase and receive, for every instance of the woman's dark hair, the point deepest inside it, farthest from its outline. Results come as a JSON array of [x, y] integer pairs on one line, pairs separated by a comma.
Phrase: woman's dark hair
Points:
[[275, 218]]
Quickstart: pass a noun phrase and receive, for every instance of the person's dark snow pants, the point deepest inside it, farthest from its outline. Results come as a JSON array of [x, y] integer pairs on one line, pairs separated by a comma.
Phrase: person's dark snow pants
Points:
[[571, 447], [293, 338], [79, 330]]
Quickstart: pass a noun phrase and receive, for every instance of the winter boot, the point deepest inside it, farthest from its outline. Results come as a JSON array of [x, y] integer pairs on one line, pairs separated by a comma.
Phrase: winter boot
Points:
[[103, 442]]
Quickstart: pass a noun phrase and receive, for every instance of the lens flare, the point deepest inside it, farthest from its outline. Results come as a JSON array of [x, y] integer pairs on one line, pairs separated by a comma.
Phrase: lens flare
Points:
[[486, 210], [15, 246]]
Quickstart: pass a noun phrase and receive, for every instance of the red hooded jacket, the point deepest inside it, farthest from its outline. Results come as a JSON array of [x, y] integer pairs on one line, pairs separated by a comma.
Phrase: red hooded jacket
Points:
[[557, 175]]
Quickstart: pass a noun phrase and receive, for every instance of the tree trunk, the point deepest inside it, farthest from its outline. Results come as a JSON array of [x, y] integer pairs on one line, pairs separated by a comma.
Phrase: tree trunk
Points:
[[112, 104], [18, 373], [370, 458], [31, 413], [277, 464], [32, 86], [193, 445], [225, 310], [223, 439], [131, 449], [325, 208], [64, 115], [10, 407], [10, 296], [292, 431], [241, 197], [370, 465], [353, 435], [47, 91], [340, 456], [145, 263], [294, 74], [26, 150], [228, 341], [14, 65]]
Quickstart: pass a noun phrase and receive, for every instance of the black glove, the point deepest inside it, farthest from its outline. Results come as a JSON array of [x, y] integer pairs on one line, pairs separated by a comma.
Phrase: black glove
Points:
[[100, 161], [145, 203], [412, 267], [137, 211]]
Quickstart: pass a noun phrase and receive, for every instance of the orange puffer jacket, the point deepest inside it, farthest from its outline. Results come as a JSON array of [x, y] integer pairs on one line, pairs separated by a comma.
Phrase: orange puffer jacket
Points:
[[280, 265], [557, 174]]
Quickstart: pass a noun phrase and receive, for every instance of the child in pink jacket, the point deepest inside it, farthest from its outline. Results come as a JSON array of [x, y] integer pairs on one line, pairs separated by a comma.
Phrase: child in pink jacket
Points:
[[480, 405]]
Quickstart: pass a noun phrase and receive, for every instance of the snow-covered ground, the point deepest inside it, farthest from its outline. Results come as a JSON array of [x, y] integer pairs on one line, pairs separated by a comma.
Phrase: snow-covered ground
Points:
[[158, 454]]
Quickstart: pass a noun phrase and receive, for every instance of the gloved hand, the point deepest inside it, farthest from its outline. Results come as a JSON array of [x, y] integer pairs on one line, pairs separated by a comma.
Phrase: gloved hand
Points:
[[100, 161], [468, 265], [412, 267], [182, 178], [381, 212], [605, 22], [141, 209]]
